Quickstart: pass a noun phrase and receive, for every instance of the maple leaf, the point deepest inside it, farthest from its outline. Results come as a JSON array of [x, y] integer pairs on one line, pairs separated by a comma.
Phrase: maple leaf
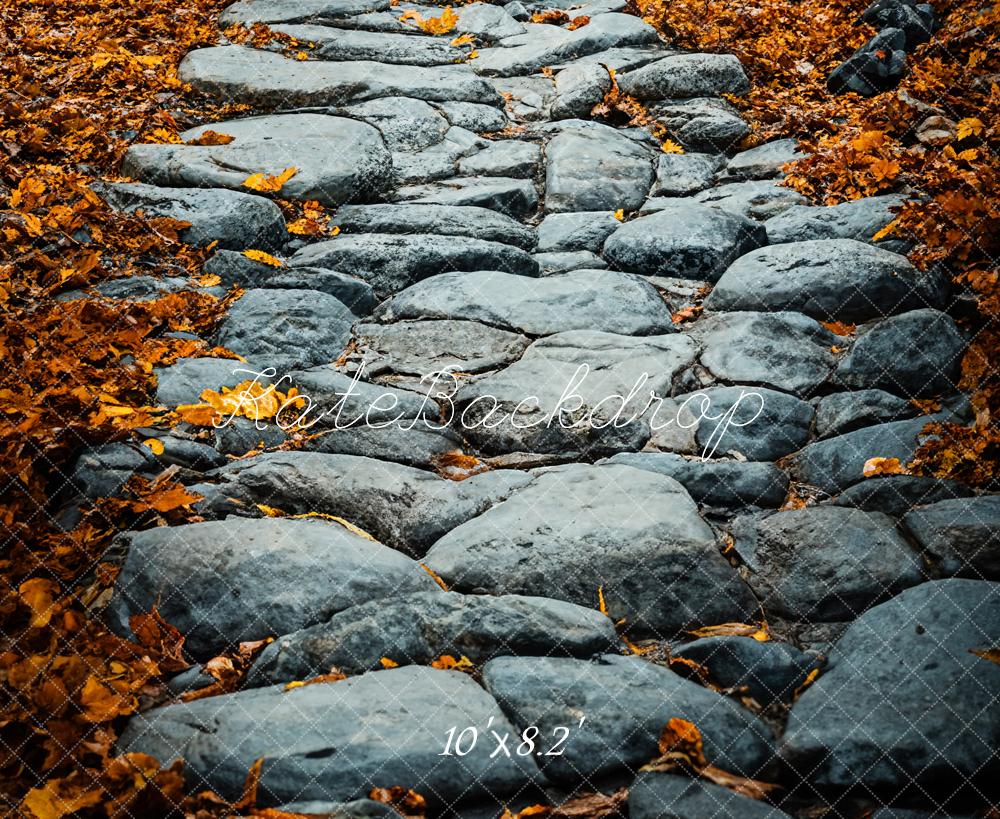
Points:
[[970, 126], [432, 25], [266, 183], [210, 137]]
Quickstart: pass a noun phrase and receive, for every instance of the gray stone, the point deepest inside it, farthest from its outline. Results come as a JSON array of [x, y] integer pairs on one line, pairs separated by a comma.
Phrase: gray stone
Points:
[[858, 219], [596, 169], [771, 671], [785, 351], [476, 223], [921, 715], [914, 354], [342, 45], [581, 392], [286, 329], [583, 299], [578, 89], [393, 261], [625, 702], [898, 494], [514, 197], [510, 157], [419, 628], [756, 199], [825, 562], [720, 484], [266, 79], [223, 582], [963, 533], [553, 263], [487, 22], [234, 220], [837, 463], [405, 508], [765, 160], [528, 98], [542, 45], [102, 470], [132, 288], [623, 58], [440, 161], [578, 528], [424, 347], [473, 116], [684, 174], [683, 239], [846, 411], [401, 442], [682, 76], [672, 796], [917, 21], [406, 125], [338, 741], [241, 435], [338, 159], [706, 124], [294, 11], [184, 381], [584, 230], [357, 809], [828, 279], [877, 66]]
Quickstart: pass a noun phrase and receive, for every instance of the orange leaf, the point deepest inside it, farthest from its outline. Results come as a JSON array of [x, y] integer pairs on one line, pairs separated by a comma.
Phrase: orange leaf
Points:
[[266, 183], [211, 137]]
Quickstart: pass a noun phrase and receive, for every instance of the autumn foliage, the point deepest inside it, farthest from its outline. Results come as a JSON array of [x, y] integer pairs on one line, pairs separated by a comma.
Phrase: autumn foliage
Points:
[[936, 139]]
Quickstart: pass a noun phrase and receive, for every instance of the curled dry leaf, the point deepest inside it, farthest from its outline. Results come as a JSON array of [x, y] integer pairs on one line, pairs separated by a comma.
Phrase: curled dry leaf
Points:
[[268, 183], [405, 801], [883, 466], [210, 137]]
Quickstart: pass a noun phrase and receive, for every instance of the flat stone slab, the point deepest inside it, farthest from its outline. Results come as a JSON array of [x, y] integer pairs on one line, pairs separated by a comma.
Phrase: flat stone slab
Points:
[[234, 220], [685, 240], [846, 411], [858, 219], [720, 483], [338, 159], [757, 199], [828, 279], [632, 533], [583, 299], [344, 45], [510, 158], [703, 124], [543, 45], [826, 562], [391, 262], [921, 714], [224, 582], [686, 75], [441, 220], [294, 11], [268, 80], [418, 628], [585, 230], [963, 533], [784, 351], [420, 348], [510, 196], [186, 379], [765, 161], [338, 741], [625, 703], [286, 329], [403, 507], [597, 168], [671, 796], [407, 125], [581, 391], [684, 174]]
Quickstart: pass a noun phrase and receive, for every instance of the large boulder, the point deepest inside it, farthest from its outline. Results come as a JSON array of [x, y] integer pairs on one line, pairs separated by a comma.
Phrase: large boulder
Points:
[[614, 710], [858, 219], [963, 533], [905, 704], [338, 741], [417, 629], [600, 300], [337, 159], [582, 230], [828, 279], [294, 11], [579, 528], [343, 45], [224, 582], [684, 239], [826, 562]]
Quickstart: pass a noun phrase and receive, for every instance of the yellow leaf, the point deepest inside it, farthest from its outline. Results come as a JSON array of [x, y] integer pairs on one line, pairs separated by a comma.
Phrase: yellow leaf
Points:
[[620, 214], [883, 466], [350, 527], [100, 702], [266, 258], [671, 147], [448, 663], [970, 126], [601, 607], [38, 594], [270, 511], [53, 801], [809, 680], [387, 663], [155, 445], [266, 183], [463, 39]]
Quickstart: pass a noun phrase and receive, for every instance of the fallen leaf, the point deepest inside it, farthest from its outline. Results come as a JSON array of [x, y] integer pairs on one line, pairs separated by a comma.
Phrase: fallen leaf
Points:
[[210, 137], [267, 183], [39, 595], [883, 466], [266, 258]]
